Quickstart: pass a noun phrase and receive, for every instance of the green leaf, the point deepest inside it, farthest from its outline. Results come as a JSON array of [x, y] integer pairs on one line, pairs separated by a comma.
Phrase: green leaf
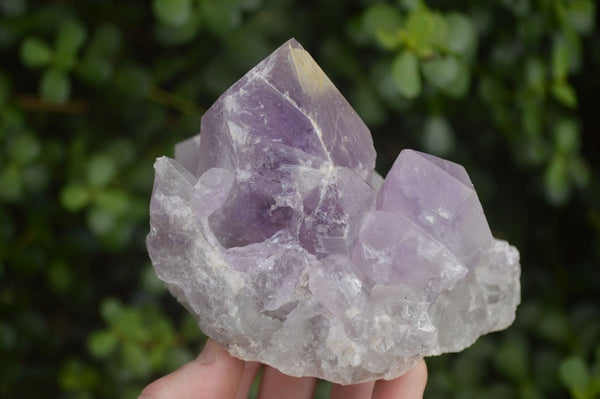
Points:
[[24, 148], [136, 360], [442, 72], [55, 86], [113, 201], [535, 74], [438, 138], [580, 15], [440, 33], [173, 13], [74, 197], [420, 25], [100, 170], [71, 36], [100, 221], [575, 375], [564, 93], [35, 53], [110, 310], [462, 36], [566, 135], [388, 40], [102, 343], [560, 58], [380, 18], [405, 73]]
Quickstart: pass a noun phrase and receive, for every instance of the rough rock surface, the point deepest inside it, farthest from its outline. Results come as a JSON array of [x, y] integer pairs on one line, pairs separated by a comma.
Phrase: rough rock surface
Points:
[[273, 229]]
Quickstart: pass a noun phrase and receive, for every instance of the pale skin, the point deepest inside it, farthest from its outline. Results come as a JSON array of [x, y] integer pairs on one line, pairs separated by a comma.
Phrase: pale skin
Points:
[[214, 374]]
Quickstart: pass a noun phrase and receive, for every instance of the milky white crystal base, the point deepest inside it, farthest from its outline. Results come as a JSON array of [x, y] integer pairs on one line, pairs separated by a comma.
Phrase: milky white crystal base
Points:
[[277, 235]]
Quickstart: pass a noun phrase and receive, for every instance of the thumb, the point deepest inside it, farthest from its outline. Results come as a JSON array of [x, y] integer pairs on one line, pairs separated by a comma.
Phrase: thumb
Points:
[[213, 374]]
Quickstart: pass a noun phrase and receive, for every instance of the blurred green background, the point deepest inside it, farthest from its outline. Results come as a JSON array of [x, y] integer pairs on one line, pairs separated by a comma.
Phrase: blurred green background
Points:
[[91, 92]]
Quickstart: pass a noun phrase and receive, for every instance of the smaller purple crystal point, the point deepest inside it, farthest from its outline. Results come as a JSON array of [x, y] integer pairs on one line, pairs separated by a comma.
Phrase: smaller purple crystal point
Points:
[[439, 197], [275, 231]]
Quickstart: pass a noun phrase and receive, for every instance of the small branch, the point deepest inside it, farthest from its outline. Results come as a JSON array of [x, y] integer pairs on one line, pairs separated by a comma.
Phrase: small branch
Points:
[[36, 104]]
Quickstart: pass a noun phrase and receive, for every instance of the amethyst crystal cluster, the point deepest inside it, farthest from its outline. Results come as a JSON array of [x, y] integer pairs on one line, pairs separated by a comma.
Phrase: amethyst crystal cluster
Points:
[[274, 230]]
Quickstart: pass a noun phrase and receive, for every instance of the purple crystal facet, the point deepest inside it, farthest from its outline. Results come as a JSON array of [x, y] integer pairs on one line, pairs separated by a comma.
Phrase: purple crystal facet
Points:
[[275, 231]]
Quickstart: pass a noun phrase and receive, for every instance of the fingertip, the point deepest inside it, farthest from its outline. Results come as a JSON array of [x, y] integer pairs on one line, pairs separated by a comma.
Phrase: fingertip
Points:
[[408, 386]]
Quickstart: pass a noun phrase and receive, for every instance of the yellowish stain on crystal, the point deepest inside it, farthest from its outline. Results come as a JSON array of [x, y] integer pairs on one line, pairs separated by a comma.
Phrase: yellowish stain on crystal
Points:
[[312, 79]]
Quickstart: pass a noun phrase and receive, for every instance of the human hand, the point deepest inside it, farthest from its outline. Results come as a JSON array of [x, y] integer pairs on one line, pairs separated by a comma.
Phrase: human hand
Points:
[[217, 375]]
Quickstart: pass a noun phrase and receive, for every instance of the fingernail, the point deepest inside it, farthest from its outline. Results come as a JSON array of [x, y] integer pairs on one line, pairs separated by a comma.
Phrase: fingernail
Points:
[[209, 353]]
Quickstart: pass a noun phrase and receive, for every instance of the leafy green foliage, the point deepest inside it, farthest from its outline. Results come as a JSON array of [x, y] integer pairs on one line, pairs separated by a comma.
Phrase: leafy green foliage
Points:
[[55, 86], [445, 45], [405, 71], [438, 137], [91, 93], [35, 53], [577, 376]]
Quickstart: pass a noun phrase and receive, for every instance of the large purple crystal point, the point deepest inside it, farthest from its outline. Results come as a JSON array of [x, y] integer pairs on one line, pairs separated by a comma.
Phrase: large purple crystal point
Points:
[[274, 230], [284, 111]]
